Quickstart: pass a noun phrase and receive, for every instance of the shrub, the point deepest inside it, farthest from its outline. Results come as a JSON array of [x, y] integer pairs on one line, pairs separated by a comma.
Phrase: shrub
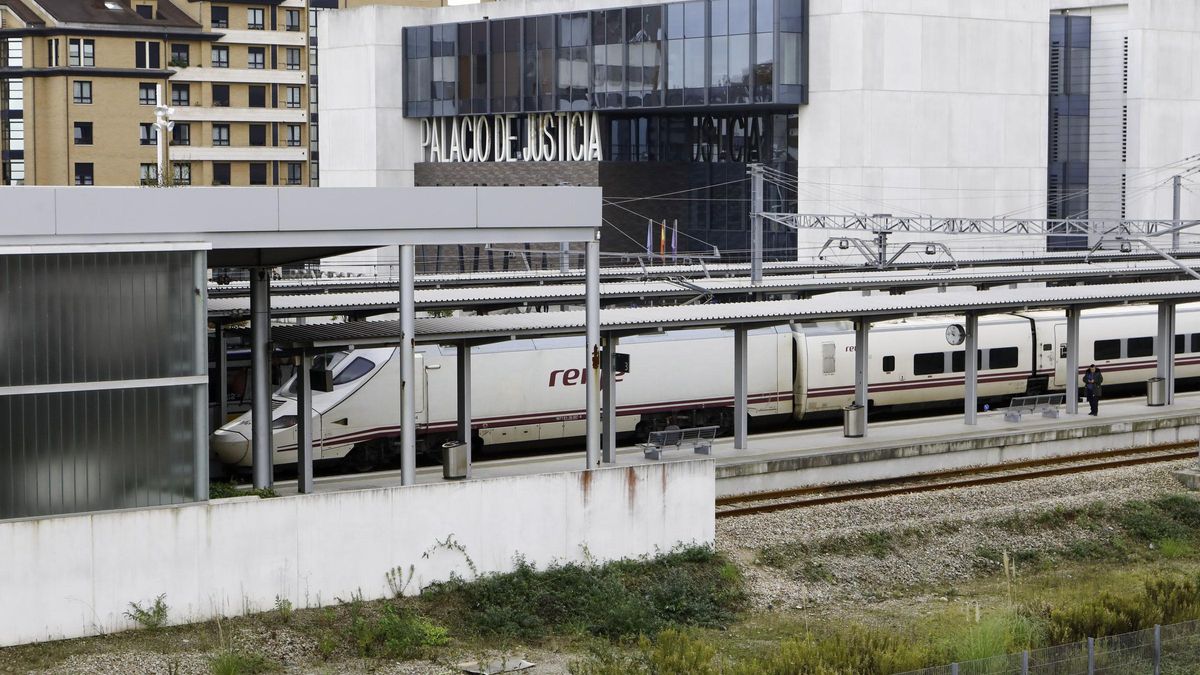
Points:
[[995, 634], [1159, 600], [688, 587], [151, 617], [397, 633]]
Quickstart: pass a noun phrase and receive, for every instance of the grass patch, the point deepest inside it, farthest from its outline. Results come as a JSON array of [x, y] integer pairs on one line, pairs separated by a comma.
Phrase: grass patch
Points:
[[241, 663], [231, 489], [687, 587]]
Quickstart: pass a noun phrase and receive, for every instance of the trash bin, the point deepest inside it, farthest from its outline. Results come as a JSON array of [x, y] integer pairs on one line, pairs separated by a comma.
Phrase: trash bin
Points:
[[854, 421], [1156, 391], [454, 459]]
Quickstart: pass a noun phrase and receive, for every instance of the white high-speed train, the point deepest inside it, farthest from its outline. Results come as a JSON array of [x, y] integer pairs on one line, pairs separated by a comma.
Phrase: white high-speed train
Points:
[[527, 391]]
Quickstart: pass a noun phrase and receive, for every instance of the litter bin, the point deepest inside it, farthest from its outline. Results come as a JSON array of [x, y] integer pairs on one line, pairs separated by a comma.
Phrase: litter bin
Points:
[[454, 459], [1156, 391], [854, 421]]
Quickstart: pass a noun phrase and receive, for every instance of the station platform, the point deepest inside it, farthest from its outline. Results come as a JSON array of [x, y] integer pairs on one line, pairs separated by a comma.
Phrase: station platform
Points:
[[804, 457]]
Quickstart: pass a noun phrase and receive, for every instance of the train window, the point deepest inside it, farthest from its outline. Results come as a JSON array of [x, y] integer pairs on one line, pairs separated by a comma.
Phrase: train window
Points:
[[958, 362], [1180, 344], [1195, 342], [1002, 357], [354, 370], [1140, 346], [930, 363], [1107, 349], [889, 364]]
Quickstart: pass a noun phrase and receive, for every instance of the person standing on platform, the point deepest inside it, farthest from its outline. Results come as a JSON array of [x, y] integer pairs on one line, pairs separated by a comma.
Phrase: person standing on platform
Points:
[[1092, 379]]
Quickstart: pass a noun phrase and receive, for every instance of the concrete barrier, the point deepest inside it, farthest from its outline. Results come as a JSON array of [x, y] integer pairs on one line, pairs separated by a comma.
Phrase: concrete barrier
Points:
[[76, 575]]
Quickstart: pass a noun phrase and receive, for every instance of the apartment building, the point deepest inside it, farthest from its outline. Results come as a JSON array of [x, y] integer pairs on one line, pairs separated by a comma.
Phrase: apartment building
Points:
[[79, 80]]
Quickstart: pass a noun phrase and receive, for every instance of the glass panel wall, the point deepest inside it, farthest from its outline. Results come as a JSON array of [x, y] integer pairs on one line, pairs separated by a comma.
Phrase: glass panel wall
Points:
[[1069, 124], [698, 53]]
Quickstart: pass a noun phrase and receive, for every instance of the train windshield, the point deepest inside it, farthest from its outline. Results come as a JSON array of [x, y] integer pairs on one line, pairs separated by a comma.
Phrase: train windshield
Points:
[[322, 362], [356, 369]]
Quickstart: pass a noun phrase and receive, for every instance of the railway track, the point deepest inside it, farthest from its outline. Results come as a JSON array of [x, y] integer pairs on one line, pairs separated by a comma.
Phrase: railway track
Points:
[[783, 500]]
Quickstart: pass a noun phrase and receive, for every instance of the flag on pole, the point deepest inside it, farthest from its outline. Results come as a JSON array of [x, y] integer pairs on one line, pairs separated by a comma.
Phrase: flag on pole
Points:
[[649, 236], [675, 239], [662, 238]]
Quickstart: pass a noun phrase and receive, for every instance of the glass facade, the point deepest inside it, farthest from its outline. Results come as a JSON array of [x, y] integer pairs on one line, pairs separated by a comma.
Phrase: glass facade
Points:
[[698, 54], [1069, 124]]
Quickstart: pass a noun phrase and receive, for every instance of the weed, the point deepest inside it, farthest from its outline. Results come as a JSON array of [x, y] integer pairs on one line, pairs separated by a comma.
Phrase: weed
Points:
[[150, 618], [229, 662], [878, 544], [326, 646], [1175, 548], [398, 581], [231, 489], [814, 571], [995, 634], [283, 609]]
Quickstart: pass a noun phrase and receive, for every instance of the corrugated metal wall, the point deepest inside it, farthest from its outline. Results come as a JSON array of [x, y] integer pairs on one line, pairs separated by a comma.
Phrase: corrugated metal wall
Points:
[[96, 408]]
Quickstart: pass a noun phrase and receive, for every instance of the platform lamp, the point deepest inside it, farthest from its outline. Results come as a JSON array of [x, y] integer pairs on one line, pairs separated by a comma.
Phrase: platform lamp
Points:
[[163, 125]]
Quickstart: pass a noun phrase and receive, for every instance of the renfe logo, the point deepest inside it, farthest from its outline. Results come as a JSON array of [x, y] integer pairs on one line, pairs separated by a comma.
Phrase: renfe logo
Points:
[[574, 376]]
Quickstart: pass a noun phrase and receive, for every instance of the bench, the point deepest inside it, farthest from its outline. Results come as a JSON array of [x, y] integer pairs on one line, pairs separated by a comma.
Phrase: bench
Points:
[[1047, 404], [698, 438]]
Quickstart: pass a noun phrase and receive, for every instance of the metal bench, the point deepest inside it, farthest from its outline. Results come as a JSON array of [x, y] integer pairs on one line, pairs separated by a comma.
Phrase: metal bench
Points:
[[1047, 404], [698, 438]]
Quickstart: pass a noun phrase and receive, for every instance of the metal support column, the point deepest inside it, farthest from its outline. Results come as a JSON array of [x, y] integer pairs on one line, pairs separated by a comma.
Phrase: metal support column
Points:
[[304, 425], [200, 422], [608, 390], [1072, 370], [408, 387], [756, 223], [260, 374], [1164, 347], [862, 328], [465, 431], [222, 383], [741, 369], [971, 375], [592, 325], [1177, 185]]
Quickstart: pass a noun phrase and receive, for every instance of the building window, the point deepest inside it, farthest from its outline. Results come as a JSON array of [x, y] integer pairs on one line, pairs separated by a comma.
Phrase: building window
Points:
[[291, 19], [295, 170], [84, 173], [145, 11], [220, 57], [81, 52], [83, 133], [257, 96], [146, 54], [147, 133], [181, 55], [293, 135], [83, 91], [181, 134], [147, 93], [256, 58], [183, 172], [220, 95], [254, 18], [181, 94], [293, 58], [258, 173], [221, 134], [258, 135], [220, 173], [292, 96], [52, 46], [148, 173], [220, 18]]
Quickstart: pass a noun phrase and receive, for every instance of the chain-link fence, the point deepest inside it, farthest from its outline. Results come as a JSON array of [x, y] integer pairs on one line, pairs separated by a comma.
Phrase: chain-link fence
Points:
[[1162, 650]]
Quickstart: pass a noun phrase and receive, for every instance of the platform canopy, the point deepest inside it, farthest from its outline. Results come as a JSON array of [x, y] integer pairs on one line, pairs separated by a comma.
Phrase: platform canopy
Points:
[[270, 226]]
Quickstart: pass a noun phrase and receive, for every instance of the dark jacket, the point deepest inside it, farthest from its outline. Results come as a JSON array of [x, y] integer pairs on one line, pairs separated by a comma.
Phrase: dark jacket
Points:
[[1092, 381]]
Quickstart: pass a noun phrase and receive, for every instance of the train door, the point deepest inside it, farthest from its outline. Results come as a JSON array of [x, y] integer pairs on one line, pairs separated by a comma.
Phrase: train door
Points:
[[1059, 379]]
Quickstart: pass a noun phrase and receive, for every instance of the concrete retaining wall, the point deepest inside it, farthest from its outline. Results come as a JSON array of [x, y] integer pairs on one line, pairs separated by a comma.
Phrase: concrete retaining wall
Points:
[[890, 461], [74, 576]]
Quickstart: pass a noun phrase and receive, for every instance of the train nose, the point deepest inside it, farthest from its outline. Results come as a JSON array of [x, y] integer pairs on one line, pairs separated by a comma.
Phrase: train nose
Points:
[[231, 447]]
